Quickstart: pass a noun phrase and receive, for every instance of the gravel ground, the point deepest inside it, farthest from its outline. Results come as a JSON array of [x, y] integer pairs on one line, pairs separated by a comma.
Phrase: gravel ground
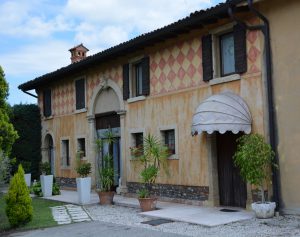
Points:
[[279, 226]]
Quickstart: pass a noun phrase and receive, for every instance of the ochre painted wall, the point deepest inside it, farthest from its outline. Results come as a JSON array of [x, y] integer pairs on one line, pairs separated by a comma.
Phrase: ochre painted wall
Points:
[[177, 88], [284, 19]]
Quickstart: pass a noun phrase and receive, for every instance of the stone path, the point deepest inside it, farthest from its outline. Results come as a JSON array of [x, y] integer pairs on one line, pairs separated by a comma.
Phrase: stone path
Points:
[[69, 213]]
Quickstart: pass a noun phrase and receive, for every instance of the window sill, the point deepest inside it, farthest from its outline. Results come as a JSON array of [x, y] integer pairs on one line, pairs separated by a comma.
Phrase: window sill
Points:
[[135, 99], [78, 111], [219, 80], [173, 157], [48, 118]]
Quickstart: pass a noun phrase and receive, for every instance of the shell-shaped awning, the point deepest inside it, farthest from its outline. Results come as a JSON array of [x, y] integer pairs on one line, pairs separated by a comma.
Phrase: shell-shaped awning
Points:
[[222, 112]]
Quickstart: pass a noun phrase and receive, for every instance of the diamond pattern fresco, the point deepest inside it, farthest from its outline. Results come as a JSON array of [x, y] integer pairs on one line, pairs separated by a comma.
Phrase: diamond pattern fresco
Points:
[[173, 68]]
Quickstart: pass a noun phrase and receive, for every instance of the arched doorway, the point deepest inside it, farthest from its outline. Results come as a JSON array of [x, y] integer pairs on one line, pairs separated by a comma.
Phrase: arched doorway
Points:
[[106, 108], [50, 152]]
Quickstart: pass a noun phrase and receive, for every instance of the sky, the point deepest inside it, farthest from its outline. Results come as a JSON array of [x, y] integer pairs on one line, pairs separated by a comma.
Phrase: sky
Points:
[[35, 35]]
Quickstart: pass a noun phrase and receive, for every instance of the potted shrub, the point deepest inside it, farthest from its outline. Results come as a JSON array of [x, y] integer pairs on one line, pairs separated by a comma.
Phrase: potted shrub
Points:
[[106, 171], [254, 157], [153, 157], [46, 179], [83, 182], [27, 169]]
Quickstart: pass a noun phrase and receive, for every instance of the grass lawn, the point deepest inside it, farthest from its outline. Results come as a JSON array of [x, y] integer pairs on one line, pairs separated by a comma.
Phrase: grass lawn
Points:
[[42, 216]]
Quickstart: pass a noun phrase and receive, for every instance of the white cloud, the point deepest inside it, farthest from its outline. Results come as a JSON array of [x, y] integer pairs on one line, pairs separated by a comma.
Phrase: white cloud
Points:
[[36, 59], [23, 19], [43, 31]]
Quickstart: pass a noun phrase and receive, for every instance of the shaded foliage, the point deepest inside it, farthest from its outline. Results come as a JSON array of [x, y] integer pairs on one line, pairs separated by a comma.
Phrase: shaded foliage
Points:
[[8, 135], [26, 120]]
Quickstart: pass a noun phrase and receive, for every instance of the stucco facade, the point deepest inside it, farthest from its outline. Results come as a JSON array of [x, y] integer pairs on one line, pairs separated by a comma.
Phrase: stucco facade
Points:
[[176, 90], [283, 16]]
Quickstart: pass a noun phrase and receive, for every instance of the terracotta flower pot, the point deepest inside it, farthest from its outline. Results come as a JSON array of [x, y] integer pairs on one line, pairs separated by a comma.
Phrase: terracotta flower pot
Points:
[[106, 198], [148, 204]]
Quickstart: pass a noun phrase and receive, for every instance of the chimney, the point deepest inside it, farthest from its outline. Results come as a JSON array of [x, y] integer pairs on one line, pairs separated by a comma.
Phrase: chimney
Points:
[[78, 53]]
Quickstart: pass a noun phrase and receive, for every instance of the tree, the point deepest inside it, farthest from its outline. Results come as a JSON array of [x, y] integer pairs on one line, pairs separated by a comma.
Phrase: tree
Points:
[[19, 208], [8, 135], [26, 120]]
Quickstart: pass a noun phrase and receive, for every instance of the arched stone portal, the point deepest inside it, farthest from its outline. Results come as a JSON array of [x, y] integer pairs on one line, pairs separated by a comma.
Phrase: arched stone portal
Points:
[[106, 111]]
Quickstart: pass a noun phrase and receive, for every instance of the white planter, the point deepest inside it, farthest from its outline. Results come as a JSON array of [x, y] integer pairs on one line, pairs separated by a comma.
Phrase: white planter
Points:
[[264, 210], [46, 183], [28, 179], [84, 190]]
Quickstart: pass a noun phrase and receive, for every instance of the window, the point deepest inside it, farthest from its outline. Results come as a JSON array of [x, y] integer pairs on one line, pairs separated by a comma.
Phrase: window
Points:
[[65, 152], [136, 78], [169, 140], [227, 59], [47, 103], [138, 139], [224, 52], [80, 94], [81, 146]]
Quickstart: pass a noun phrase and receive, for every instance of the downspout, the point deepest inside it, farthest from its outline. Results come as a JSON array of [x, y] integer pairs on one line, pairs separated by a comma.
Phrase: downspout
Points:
[[265, 29], [28, 93]]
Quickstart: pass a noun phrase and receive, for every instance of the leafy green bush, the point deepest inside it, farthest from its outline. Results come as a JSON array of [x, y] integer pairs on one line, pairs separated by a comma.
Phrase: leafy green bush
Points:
[[55, 187], [82, 168], [26, 166], [27, 122], [4, 168], [18, 201], [36, 189], [254, 157], [45, 168]]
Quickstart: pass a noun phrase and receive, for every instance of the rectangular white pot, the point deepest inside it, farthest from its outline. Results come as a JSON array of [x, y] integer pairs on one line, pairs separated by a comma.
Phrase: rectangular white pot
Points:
[[28, 179], [46, 183], [84, 190]]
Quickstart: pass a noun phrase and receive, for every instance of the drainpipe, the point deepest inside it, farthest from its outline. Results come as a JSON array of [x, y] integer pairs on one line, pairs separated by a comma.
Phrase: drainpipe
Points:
[[265, 29], [28, 93]]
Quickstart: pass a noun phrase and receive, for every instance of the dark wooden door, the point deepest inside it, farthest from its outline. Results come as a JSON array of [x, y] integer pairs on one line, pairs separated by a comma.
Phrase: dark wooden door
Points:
[[232, 189]]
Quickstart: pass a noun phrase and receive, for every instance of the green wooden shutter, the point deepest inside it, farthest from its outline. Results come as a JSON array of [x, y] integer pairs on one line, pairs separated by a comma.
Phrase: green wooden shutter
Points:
[[240, 48], [146, 75], [207, 58], [80, 94], [125, 81], [47, 102]]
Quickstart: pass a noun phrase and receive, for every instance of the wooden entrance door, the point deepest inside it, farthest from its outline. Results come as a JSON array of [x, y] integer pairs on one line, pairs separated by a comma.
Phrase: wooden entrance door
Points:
[[232, 189]]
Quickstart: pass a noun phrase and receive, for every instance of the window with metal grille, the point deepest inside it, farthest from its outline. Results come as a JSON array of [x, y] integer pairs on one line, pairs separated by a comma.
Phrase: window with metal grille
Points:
[[139, 139], [81, 146], [169, 139], [65, 152]]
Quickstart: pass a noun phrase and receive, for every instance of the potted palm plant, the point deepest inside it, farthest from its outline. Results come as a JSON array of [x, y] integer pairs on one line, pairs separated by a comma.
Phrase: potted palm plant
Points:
[[254, 157], [106, 170], [153, 157], [83, 183], [46, 179]]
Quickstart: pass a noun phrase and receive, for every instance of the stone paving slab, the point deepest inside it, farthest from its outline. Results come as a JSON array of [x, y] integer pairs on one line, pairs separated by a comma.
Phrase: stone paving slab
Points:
[[69, 213]]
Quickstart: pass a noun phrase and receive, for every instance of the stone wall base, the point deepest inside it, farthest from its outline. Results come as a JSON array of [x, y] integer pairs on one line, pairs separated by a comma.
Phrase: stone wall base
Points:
[[66, 183], [176, 193]]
